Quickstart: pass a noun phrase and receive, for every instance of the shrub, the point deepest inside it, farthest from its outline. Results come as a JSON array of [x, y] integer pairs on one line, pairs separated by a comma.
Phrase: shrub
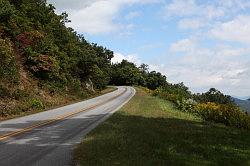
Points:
[[37, 104], [171, 97], [222, 112], [6, 10], [229, 115], [76, 85], [176, 93], [167, 96], [186, 105], [43, 66], [149, 91], [19, 94], [157, 91], [4, 111], [3, 92], [8, 69], [8, 108], [27, 39]]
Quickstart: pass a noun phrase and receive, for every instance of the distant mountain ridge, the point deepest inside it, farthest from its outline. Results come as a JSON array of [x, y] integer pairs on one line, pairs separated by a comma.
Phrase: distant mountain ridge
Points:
[[244, 104]]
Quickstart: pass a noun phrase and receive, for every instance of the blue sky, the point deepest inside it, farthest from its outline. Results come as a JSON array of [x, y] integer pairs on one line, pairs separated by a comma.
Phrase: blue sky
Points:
[[201, 43]]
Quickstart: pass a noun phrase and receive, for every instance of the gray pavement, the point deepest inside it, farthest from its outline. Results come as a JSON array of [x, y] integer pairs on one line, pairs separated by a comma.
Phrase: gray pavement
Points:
[[52, 145]]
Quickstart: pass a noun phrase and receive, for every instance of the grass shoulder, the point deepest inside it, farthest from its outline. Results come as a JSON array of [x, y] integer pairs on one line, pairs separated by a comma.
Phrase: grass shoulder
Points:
[[150, 131]]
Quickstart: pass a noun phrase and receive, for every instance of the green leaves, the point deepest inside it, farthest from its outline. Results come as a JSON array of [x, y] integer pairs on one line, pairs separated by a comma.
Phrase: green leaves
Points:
[[37, 104], [8, 69], [125, 73], [6, 10], [214, 95], [50, 50], [54, 53]]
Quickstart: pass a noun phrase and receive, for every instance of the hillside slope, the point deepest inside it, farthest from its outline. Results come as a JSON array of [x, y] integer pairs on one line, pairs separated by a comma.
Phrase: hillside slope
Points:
[[42, 62], [244, 104]]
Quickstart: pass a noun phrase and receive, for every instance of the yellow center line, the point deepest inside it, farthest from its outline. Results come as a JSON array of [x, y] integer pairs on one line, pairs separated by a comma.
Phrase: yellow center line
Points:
[[59, 118]]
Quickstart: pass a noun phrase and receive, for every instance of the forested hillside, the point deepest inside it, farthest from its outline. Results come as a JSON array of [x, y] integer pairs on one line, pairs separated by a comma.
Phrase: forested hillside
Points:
[[42, 58], [44, 63], [46, 48], [244, 104]]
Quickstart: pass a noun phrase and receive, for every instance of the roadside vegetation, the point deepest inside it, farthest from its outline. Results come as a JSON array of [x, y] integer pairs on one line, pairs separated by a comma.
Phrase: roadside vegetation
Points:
[[211, 106], [35, 103], [44, 63], [152, 131]]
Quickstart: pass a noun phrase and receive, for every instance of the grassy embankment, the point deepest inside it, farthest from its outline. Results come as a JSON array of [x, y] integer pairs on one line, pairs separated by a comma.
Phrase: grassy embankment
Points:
[[150, 131]]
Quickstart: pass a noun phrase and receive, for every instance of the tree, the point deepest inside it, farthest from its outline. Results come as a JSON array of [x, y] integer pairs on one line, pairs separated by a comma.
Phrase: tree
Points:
[[144, 68], [64, 18], [51, 51], [179, 91], [125, 73], [155, 79], [54, 53], [214, 95]]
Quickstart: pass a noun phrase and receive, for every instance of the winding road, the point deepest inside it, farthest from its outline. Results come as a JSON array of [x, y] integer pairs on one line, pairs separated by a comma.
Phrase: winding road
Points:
[[48, 138]]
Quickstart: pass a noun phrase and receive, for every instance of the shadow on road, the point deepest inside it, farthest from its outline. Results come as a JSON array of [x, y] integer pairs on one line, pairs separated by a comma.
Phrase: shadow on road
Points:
[[50, 142]]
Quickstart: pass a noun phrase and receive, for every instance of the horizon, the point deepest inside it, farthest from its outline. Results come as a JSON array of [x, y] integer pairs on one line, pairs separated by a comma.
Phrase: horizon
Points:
[[241, 98], [203, 44]]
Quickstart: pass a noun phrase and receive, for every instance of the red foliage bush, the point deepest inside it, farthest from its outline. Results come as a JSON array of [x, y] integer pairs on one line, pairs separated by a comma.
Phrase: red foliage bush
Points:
[[27, 39], [43, 63]]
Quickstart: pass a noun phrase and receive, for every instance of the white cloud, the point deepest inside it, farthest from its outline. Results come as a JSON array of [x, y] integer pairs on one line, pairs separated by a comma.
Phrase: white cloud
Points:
[[201, 62], [134, 58], [184, 8], [132, 15], [235, 4], [229, 51], [183, 45], [223, 67], [181, 8], [213, 11], [207, 10], [237, 30], [191, 23], [96, 16], [65, 5], [196, 15], [118, 57]]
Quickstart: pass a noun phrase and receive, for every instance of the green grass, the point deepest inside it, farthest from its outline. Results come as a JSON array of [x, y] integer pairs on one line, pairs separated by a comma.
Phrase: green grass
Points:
[[150, 131]]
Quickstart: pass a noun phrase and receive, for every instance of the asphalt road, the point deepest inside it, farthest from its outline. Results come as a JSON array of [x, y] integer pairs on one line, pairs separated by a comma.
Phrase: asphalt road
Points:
[[48, 138]]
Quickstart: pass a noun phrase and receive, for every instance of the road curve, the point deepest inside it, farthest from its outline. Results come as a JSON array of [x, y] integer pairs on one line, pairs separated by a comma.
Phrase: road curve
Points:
[[48, 138]]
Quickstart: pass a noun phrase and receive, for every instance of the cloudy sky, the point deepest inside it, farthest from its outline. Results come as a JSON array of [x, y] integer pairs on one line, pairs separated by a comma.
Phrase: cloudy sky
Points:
[[201, 43]]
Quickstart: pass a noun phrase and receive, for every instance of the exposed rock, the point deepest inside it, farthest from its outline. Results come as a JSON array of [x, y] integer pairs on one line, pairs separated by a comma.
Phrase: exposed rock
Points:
[[89, 85]]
